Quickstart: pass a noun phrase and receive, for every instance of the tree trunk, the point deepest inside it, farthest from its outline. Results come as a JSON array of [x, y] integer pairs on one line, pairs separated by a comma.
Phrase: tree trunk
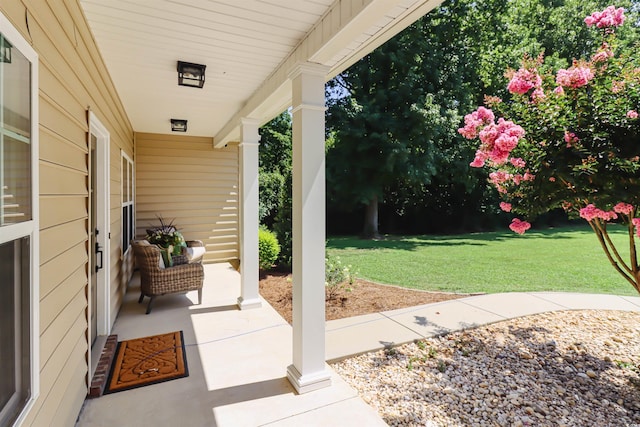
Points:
[[370, 230]]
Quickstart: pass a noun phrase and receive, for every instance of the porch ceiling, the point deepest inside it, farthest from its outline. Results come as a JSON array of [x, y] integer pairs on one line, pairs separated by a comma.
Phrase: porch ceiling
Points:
[[248, 46]]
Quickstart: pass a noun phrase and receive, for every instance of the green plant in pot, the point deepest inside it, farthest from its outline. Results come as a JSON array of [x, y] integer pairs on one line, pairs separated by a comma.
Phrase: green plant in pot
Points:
[[168, 238]]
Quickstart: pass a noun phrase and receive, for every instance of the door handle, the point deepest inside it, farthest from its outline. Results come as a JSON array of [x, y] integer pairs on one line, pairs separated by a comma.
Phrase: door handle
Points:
[[98, 256]]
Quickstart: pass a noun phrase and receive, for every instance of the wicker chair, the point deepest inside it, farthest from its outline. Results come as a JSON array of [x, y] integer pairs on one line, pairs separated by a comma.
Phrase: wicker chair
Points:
[[155, 281]]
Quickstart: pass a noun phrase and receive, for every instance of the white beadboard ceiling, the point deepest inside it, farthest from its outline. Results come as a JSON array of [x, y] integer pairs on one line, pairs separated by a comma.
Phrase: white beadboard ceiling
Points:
[[248, 46]]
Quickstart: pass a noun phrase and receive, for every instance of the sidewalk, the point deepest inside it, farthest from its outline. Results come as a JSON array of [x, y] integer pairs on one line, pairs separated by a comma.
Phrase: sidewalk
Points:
[[361, 334]]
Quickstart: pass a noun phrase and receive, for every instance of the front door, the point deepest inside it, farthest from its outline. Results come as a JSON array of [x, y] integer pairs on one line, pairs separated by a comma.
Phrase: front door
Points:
[[94, 264], [99, 317]]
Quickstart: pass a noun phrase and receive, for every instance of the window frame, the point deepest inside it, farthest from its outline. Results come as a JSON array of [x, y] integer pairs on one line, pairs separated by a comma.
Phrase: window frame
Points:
[[30, 228], [127, 200]]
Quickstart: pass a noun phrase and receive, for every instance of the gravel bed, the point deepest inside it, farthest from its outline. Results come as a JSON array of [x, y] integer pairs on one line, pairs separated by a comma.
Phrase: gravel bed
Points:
[[571, 368]]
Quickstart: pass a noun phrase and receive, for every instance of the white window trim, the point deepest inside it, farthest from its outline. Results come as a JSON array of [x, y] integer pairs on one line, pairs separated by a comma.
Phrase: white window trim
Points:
[[124, 155], [29, 228]]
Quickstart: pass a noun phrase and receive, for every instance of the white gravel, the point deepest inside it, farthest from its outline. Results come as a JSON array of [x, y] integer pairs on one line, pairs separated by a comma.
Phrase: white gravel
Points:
[[572, 368]]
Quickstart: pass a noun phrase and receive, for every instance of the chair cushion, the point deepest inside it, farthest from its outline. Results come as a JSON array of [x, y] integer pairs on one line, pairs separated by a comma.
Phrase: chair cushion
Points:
[[195, 254]]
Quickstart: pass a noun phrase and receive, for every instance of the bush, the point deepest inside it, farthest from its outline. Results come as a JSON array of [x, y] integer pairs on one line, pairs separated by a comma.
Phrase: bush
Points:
[[268, 248], [337, 277]]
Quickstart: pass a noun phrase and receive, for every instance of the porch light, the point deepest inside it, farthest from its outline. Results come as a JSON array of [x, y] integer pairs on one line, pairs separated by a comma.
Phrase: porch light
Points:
[[5, 50], [190, 74], [178, 125]]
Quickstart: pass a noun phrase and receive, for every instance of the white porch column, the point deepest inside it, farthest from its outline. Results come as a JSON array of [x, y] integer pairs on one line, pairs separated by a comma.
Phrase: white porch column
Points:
[[308, 371], [250, 138]]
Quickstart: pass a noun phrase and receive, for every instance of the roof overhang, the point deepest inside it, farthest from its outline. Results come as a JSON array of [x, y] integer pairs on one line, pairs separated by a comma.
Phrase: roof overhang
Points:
[[248, 46]]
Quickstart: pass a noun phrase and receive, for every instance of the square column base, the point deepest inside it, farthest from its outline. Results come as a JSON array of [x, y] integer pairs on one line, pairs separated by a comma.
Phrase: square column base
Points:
[[245, 304], [307, 383]]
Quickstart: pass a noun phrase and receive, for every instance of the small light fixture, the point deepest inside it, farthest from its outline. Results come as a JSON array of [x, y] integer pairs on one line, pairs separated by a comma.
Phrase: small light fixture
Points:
[[5, 50], [178, 125], [190, 74]]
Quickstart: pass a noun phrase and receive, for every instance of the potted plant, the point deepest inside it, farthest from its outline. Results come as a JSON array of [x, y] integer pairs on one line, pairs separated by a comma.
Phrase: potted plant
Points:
[[168, 238]]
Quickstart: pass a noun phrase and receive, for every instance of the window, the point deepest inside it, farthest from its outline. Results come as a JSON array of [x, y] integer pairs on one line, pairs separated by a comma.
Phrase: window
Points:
[[18, 224], [128, 225]]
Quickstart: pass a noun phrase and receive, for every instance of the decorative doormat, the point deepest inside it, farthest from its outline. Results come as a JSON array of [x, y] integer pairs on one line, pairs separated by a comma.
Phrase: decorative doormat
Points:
[[148, 360]]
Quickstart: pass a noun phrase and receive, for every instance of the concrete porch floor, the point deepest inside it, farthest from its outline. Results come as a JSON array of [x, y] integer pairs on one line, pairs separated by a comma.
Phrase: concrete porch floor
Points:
[[237, 364], [237, 359]]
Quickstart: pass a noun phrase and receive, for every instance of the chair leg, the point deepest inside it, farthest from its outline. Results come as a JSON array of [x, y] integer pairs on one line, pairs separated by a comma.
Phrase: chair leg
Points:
[[149, 305], [200, 296], [141, 298]]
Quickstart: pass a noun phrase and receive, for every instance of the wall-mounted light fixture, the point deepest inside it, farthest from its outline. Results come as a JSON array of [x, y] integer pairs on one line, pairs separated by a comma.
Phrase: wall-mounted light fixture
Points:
[[5, 50], [190, 74], [178, 125]]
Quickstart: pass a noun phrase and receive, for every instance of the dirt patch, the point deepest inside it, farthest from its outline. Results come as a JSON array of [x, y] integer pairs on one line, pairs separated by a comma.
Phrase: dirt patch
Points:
[[364, 298]]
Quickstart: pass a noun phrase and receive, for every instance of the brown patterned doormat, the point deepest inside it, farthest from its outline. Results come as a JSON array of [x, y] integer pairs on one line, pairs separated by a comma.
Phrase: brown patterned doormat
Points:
[[148, 360]]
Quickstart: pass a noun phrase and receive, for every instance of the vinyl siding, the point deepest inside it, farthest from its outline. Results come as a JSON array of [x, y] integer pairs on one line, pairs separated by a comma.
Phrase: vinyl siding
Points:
[[186, 180], [72, 79]]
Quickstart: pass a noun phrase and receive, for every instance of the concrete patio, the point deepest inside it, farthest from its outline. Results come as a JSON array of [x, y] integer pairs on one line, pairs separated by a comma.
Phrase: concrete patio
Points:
[[237, 359]]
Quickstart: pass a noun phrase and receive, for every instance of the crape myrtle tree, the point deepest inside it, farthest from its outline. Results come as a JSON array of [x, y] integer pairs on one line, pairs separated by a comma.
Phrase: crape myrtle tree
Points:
[[570, 138]]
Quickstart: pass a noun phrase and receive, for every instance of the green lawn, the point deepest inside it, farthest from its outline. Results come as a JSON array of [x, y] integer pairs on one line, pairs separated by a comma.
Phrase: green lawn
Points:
[[562, 259]]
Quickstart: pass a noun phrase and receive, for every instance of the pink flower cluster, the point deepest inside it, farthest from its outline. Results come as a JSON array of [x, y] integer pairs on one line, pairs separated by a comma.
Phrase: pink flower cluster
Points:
[[574, 77], [500, 177], [570, 138], [505, 206], [623, 208], [602, 55], [474, 121], [590, 212], [524, 80], [636, 223], [632, 114], [519, 226], [610, 17], [497, 139]]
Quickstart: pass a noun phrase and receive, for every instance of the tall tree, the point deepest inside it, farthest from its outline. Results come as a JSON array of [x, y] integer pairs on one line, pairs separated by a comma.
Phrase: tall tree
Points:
[[393, 115]]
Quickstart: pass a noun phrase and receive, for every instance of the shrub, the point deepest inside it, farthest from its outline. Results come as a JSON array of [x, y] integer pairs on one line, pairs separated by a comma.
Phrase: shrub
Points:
[[338, 277], [268, 248]]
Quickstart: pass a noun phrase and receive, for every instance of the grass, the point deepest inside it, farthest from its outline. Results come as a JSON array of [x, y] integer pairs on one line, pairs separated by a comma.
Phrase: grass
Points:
[[562, 259]]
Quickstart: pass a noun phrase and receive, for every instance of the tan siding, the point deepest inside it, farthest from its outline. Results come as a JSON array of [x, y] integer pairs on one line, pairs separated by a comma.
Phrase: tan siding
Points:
[[56, 150], [185, 180], [61, 296], [51, 275], [60, 210], [72, 79]]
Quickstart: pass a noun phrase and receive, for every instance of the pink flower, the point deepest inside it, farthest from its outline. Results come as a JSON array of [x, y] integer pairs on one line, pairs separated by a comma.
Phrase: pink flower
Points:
[[623, 208], [574, 77], [590, 212], [570, 138], [472, 122], [538, 95], [505, 206], [524, 80], [636, 223], [517, 162], [632, 114], [617, 86], [559, 90], [519, 226], [603, 54], [610, 17], [498, 140]]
